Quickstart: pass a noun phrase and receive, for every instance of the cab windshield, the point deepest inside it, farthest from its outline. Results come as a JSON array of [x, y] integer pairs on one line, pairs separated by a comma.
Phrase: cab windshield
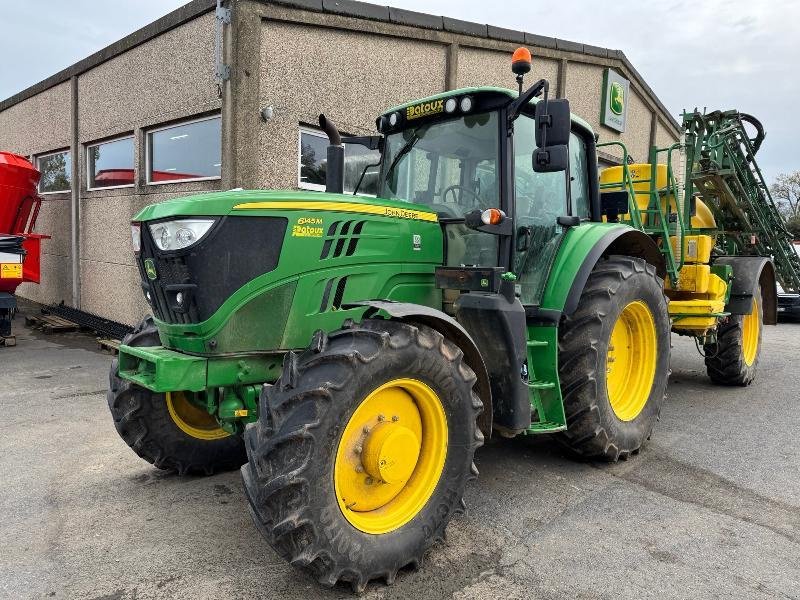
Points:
[[452, 166]]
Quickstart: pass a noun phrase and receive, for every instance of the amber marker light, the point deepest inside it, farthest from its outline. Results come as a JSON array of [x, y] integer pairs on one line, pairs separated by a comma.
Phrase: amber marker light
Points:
[[492, 216], [521, 61]]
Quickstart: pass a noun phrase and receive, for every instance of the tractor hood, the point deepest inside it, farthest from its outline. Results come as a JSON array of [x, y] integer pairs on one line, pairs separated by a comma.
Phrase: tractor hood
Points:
[[286, 261], [242, 201]]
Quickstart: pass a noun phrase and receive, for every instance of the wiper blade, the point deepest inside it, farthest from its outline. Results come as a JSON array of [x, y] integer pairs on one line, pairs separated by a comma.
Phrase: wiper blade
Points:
[[418, 134]]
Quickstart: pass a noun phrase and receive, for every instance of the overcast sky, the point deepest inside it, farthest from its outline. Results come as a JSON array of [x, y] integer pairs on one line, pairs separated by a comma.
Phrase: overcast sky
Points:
[[722, 54]]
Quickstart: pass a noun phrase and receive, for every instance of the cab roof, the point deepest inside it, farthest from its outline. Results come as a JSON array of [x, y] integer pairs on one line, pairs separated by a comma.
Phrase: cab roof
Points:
[[477, 91]]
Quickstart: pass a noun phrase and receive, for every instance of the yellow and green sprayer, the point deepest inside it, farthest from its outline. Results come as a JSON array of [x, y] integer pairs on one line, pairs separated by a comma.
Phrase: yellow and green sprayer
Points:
[[350, 353]]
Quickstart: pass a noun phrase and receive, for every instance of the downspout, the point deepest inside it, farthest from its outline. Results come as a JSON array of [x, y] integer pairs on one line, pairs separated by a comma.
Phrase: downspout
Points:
[[75, 197]]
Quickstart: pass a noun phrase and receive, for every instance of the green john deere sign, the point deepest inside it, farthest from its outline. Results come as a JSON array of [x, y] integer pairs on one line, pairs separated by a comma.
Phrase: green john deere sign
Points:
[[617, 98], [615, 94]]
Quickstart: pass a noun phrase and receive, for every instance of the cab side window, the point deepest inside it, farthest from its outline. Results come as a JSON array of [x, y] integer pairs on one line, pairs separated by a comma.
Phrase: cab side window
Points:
[[579, 177], [540, 198]]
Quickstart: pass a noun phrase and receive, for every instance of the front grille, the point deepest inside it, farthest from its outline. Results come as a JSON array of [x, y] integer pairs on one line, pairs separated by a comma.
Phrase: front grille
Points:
[[234, 252]]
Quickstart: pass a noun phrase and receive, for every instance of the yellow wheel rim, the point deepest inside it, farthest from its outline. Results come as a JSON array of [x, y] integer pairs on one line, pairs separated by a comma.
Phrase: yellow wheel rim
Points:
[[193, 420], [751, 326], [390, 456], [631, 362]]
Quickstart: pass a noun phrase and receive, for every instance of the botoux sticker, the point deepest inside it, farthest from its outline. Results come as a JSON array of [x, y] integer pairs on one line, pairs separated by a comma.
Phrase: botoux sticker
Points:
[[424, 109], [307, 227]]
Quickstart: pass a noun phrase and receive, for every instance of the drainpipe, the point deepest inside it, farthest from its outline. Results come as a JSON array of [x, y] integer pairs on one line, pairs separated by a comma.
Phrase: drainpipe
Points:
[[75, 199]]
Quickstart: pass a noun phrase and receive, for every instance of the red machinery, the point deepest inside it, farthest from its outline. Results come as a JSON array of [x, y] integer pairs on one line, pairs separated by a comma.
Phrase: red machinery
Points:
[[20, 248]]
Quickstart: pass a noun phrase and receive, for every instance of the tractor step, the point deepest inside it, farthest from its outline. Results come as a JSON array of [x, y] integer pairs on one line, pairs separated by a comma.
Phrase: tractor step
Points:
[[545, 427], [541, 385]]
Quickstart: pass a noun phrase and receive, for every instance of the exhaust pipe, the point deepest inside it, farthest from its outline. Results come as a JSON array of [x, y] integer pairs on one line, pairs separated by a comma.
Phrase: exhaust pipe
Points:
[[334, 175]]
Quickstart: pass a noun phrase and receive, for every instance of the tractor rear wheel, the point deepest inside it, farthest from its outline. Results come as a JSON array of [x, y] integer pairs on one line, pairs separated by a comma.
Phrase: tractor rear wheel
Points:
[[168, 430], [614, 360], [362, 450], [733, 358]]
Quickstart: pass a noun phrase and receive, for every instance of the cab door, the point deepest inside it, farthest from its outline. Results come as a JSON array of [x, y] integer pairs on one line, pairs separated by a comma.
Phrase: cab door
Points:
[[540, 198]]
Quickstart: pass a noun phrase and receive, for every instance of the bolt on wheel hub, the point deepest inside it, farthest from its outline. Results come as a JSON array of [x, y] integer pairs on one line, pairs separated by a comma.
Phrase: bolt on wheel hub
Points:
[[390, 453]]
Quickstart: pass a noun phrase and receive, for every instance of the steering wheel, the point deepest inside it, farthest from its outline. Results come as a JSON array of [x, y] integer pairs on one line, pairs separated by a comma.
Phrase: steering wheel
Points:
[[461, 188]]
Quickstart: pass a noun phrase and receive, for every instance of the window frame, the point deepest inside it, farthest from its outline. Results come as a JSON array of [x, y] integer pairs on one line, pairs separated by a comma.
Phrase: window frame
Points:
[[586, 173], [36, 158], [88, 147], [316, 187], [148, 152], [313, 187]]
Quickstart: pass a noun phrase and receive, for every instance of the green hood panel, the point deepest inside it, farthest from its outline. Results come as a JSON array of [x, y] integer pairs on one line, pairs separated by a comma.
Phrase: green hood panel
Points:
[[224, 203]]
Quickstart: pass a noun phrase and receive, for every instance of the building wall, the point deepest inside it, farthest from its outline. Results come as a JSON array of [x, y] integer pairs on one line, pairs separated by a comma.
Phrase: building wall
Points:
[[166, 80], [169, 79], [299, 62], [350, 76], [479, 66], [368, 70]]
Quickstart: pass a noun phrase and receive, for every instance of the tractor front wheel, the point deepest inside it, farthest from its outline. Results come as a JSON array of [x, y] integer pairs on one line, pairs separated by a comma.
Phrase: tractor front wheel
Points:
[[614, 360], [168, 430], [362, 450]]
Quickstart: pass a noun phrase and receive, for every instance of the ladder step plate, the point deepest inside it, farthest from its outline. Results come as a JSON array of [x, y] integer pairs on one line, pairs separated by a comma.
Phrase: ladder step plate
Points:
[[541, 385]]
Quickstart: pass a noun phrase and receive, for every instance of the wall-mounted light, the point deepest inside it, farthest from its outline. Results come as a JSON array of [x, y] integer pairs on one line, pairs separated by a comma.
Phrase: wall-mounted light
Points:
[[267, 113]]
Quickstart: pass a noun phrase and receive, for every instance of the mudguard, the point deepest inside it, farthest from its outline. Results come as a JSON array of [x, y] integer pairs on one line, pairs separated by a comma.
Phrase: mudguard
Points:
[[452, 330], [748, 273], [580, 250], [497, 326]]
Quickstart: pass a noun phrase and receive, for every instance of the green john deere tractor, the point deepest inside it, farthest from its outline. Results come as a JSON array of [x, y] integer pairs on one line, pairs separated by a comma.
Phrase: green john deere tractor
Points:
[[352, 352]]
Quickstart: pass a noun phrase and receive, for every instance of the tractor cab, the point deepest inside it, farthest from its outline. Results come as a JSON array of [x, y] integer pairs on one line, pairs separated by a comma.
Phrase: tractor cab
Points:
[[470, 155]]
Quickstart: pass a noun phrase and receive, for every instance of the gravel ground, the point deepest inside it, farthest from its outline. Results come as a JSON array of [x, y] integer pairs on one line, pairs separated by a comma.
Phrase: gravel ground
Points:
[[711, 508]]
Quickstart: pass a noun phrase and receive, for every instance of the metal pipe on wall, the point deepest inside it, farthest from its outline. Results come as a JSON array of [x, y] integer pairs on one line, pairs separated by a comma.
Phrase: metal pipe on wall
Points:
[[75, 197]]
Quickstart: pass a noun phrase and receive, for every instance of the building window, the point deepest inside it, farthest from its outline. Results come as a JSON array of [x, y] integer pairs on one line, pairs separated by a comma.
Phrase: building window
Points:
[[188, 151], [56, 170], [313, 162], [110, 164]]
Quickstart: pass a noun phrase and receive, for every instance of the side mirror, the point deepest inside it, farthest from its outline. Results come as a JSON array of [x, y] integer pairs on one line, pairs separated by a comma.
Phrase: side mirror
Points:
[[555, 123], [551, 159]]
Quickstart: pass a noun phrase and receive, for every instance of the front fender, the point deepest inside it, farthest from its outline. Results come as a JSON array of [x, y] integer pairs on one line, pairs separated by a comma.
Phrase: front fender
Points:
[[579, 252], [452, 330]]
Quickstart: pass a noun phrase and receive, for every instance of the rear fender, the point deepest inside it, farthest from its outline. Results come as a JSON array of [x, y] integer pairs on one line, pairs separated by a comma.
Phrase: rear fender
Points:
[[749, 272], [452, 330]]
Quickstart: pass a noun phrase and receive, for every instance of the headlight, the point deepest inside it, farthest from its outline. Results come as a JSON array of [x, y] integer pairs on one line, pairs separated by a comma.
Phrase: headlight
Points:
[[176, 235], [136, 237], [450, 105], [466, 103]]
